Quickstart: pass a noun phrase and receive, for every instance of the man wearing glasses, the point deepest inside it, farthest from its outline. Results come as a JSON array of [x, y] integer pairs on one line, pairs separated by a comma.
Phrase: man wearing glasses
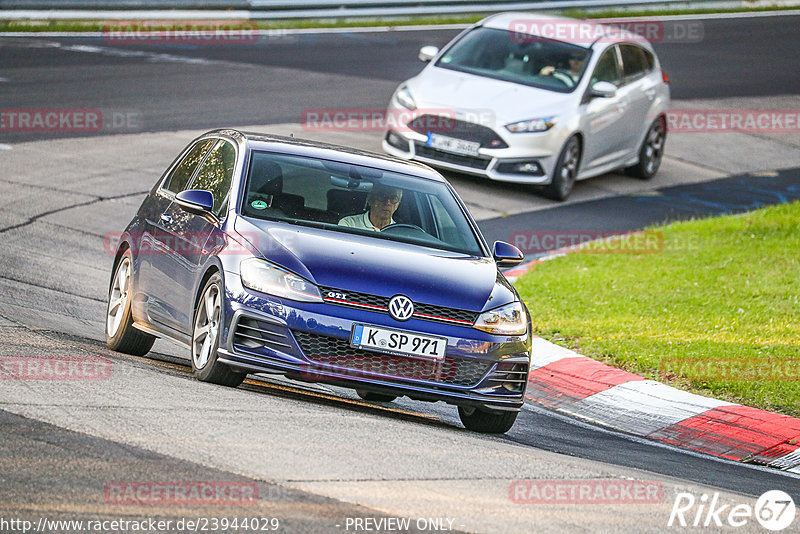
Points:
[[383, 201], [567, 77]]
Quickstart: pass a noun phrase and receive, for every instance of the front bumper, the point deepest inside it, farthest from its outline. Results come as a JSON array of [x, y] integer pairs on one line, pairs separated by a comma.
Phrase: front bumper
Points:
[[310, 342], [538, 150]]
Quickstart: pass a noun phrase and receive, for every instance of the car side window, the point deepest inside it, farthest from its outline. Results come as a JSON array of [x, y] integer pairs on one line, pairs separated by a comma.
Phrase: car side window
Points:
[[650, 60], [607, 68], [635, 63], [216, 173], [446, 227], [183, 171]]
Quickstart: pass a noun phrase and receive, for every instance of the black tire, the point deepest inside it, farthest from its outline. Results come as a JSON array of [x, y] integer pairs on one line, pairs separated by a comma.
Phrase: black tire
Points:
[[205, 366], [651, 152], [375, 397], [478, 420], [565, 171], [121, 336]]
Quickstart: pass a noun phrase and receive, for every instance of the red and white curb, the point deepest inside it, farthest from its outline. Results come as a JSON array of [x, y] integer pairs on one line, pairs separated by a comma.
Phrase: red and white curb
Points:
[[565, 381]]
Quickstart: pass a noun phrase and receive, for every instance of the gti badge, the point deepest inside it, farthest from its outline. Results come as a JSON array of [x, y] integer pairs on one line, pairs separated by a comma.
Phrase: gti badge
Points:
[[401, 307]]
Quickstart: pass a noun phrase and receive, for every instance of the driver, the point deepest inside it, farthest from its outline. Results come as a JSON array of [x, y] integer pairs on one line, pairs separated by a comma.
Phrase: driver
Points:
[[568, 77], [383, 201]]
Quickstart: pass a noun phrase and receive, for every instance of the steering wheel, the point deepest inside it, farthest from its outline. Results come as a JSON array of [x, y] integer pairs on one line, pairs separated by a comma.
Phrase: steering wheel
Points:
[[565, 75], [404, 226]]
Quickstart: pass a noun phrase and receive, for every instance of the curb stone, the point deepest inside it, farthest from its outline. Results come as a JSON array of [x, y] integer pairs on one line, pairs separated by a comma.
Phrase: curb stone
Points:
[[565, 381]]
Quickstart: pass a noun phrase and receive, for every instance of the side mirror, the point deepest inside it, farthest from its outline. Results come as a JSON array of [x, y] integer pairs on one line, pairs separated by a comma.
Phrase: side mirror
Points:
[[604, 90], [427, 53], [196, 201], [506, 254]]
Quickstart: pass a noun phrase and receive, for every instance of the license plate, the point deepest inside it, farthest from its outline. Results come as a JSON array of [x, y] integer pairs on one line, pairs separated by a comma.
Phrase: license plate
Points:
[[398, 342], [451, 144]]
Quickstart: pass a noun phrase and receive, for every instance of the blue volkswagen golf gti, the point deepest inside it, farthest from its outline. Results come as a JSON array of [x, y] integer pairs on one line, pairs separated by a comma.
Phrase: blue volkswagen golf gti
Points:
[[275, 255]]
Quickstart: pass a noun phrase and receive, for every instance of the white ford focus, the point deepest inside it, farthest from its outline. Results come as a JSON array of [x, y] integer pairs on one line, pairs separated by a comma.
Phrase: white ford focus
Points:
[[535, 99]]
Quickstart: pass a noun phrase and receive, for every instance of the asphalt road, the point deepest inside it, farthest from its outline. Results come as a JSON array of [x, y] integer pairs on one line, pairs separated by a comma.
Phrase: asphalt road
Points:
[[620, 214], [152, 420], [174, 87]]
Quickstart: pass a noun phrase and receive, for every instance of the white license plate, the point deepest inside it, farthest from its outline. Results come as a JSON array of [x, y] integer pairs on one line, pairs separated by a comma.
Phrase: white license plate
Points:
[[398, 342], [451, 144]]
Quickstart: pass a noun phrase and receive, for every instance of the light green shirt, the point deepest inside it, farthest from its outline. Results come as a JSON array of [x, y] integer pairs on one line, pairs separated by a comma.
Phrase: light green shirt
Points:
[[361, 221]]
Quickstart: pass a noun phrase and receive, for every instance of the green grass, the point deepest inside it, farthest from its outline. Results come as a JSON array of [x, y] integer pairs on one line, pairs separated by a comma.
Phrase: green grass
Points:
[[98, 25], [722, 294]]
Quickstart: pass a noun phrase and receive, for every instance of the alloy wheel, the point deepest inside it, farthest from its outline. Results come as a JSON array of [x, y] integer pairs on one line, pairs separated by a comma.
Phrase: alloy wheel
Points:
[[654, 148], [206, 328], [118, 300], [569, 167]]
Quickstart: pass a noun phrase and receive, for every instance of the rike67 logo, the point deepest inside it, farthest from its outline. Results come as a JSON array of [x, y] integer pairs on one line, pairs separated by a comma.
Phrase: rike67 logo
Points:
[[774, 510]]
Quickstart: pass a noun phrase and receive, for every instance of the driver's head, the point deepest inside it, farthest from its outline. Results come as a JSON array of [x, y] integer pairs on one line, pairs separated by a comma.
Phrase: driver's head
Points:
[[575, 62], [384, 200]]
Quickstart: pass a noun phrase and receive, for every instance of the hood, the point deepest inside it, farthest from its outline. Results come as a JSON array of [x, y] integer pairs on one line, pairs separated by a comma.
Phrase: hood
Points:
[[379, 267], [444, 90]]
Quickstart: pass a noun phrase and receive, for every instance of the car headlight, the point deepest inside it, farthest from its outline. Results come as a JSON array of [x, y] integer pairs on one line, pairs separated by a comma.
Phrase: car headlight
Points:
[[508, 320], [259, 275], [403, 97], [541, 124]]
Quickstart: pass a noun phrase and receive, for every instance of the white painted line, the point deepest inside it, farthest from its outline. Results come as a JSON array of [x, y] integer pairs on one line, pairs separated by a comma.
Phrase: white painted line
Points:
[[582, 423], [3, 79], [5, 147], [544, 352], [643, 406], [118, 52], [791, 460]]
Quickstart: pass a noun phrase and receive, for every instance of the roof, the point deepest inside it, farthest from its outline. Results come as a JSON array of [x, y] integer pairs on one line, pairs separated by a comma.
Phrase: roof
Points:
[[541, 25], [306, 147]]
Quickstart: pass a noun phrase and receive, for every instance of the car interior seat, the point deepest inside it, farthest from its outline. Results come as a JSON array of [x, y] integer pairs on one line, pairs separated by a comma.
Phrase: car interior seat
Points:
[[344, 202]]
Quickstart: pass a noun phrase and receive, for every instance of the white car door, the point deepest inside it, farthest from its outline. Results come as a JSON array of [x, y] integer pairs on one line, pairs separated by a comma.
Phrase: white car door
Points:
[[640, 85], [606, 135]]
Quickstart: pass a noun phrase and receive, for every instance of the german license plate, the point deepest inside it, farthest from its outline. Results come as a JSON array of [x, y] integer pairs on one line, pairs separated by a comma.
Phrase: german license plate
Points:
[[398, 342], [451, 144]]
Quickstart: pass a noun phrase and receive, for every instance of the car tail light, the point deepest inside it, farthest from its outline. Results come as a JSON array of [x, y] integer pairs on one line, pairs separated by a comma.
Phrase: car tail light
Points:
[[664, 77]]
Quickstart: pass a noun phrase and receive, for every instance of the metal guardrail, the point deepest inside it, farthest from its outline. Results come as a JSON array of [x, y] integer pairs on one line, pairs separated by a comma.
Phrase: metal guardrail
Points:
[[281, 9]]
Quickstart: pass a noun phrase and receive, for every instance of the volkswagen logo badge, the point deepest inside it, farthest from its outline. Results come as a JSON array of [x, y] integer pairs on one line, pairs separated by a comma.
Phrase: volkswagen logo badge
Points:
[[401, 307]]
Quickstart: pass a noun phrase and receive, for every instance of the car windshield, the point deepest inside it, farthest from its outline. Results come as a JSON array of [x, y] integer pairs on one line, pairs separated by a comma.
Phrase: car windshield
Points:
[[517, 57], [354, 199]]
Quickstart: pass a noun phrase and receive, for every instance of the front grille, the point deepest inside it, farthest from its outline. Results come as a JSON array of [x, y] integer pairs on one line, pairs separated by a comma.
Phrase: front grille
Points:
[[473, 162], [425, 312], [431, 312], [510, 376], [328, 352], [353, 297], [250, 334], [468, 131]]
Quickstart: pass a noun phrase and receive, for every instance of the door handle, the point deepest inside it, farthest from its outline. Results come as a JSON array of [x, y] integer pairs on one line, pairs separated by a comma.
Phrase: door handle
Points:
[[166, 218]]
